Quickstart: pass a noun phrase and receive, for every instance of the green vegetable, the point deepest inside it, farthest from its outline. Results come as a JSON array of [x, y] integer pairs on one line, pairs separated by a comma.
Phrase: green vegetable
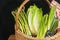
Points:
[[51, 16], [22, 21], [22, 14], [34, 18], [54, 25], [14, 13], [34, 22], [37, 19], [43, 27]]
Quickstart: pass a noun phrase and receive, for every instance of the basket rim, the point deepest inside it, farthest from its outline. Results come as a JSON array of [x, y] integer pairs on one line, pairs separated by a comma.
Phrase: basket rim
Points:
[[26, 36]]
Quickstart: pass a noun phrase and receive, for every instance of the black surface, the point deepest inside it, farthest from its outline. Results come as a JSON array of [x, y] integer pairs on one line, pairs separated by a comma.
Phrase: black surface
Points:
[[41, 4], [6, 19]]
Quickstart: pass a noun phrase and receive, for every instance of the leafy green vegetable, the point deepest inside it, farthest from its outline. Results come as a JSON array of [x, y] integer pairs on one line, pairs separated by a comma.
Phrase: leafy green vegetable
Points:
[[52, 30], [22, 14], [22, 21], [43, 27], [46, 23], [51, 16], [31, 13], [37, 19], [34, 22], [54, 25], [34, 18]]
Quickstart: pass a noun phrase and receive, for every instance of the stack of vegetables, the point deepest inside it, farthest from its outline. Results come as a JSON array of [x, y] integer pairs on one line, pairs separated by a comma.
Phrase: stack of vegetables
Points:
[[34, 23]]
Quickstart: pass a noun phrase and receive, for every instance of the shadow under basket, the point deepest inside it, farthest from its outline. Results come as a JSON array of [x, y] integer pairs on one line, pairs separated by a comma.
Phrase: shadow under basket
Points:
[[21, 36]]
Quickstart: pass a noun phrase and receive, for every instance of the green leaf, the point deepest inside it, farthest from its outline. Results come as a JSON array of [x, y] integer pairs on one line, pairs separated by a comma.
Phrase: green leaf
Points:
[[43, 27], [34, 18], [37, 19], [54, 25], [23, 15], [51, 16]]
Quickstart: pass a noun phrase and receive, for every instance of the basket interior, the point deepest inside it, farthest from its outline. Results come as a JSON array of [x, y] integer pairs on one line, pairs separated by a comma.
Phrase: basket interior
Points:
[[40, 4]]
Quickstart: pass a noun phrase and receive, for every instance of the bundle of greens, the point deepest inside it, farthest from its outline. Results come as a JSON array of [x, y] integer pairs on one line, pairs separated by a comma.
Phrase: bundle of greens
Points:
[[35, 23], [22, 21]]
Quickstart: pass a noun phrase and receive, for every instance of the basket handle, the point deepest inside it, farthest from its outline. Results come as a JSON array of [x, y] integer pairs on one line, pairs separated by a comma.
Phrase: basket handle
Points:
[[17, 14], [19, 9]]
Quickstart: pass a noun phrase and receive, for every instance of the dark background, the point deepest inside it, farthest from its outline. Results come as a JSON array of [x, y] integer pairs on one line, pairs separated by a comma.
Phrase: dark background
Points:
[[7, 20]]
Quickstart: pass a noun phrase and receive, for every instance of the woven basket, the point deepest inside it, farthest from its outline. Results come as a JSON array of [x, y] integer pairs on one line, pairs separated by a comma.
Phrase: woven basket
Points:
[[20, 36]]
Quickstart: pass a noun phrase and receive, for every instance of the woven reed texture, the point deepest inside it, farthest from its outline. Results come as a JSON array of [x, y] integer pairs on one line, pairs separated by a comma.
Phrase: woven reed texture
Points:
[[21, 36], [12, 37]]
